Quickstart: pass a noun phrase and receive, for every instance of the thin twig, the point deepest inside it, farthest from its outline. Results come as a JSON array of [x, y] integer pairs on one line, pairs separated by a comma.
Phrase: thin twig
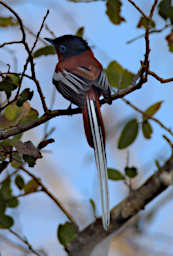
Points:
[[48, 133], [12, 42], [153, 31], [137, 7], [50, 31], [168, 141], [26, 194], [44, 189], [153, 8], [147, 52], [34, 35], [13, 245], [18, 19], [30, 58], [15, 73], [38, 34], [161, 80], [24, 241], [148, 116]]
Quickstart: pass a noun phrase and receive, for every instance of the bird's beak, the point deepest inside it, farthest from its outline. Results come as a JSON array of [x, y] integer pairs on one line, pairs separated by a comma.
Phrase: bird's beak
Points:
[[49, 40]]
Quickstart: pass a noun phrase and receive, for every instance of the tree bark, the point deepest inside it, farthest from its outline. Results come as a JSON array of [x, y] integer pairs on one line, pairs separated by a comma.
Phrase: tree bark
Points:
[[93, 235]]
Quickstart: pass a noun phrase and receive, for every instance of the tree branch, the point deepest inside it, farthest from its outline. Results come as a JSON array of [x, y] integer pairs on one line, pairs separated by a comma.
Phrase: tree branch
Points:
[[160, 79], [153, 9], [11, 42], [137, 8], [29, 52], [45, 190], [24, 241], [87, 239], [148, 116]]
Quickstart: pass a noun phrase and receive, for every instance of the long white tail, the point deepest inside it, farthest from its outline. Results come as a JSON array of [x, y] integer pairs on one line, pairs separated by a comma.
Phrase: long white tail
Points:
[[97, 132]]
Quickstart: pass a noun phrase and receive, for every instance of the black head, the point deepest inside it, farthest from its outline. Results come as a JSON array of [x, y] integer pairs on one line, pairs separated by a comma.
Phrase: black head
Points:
[[69, 45]]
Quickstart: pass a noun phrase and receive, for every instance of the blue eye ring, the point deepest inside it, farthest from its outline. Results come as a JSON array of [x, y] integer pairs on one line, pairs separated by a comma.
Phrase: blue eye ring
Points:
[[62, 48]]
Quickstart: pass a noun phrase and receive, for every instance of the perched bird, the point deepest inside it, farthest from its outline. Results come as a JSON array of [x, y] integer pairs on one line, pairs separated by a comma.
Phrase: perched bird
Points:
[[80, 78]]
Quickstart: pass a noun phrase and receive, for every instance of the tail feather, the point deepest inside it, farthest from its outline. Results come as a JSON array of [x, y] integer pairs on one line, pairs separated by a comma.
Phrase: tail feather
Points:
[[95, 134]]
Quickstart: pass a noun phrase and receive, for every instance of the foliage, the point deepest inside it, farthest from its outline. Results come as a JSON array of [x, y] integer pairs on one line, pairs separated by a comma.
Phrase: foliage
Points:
[[128, 134], [43, 51], [66, 233]]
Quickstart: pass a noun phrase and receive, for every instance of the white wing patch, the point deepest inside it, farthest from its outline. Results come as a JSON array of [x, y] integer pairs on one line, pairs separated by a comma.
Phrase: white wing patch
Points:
[[71, 80], [103, 81]]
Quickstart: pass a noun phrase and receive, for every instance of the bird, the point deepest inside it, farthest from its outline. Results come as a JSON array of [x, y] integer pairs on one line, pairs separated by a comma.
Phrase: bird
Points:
[[80, 78]]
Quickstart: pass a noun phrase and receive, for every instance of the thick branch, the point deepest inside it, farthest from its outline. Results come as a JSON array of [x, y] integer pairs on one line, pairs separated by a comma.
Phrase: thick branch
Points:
[[86, 240], [4, 134]]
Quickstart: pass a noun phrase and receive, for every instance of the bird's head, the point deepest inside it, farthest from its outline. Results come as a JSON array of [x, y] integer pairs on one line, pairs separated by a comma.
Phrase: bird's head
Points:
[[69, 45]]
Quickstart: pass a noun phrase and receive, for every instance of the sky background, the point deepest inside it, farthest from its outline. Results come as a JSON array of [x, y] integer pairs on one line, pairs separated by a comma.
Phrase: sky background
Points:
[[68, 168]]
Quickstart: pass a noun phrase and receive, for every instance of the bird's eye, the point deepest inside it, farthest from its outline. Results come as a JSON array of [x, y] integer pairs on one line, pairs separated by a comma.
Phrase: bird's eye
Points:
[[62, 48]]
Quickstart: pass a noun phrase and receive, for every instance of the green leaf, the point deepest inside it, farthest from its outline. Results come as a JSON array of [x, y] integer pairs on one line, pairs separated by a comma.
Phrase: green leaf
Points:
[[11, 112], [19, 181], [166, 10], [6, 221], [93, 205], [13, 203], [2, 204], [24, 96], [146, 23], [16, 163], [66, 233], [15, 79], [8, 143], [3, 165], [31, 116], [5, 190], [131, 172], [114, 174], [16, 138], [9, 83], [80, 32], [157, 164], [31, 186], [169, 39], [7, 21], [113, 11], [118, 76], [128, 134], [152, 109], [147, 129], [6, 195], [47, 50]]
